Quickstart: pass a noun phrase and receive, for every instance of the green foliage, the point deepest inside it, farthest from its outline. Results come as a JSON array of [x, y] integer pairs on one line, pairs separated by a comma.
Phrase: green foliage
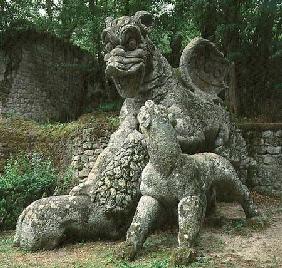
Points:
[[113, 106], [65, 182], [248, 32], [113, 121], [155, 264], [26, 178]]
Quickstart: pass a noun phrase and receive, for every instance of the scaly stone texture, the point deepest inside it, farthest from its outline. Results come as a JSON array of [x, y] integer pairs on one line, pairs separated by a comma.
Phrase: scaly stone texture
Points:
[[86, 148], [46, 79], [264, 143]]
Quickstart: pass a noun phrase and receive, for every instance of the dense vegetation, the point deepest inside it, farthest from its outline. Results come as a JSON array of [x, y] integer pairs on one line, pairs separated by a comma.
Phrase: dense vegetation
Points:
[[249, 32], [25, 179]]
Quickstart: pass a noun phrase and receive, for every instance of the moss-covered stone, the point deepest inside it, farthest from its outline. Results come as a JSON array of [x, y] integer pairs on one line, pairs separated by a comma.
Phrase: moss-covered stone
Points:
[[52, 140]]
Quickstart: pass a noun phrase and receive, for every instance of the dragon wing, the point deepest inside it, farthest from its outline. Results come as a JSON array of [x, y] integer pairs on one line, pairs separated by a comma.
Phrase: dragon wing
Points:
[[203, 67]]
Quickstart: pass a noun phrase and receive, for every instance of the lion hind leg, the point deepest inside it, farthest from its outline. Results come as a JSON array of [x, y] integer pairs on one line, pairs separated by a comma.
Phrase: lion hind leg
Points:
[[239, 192]]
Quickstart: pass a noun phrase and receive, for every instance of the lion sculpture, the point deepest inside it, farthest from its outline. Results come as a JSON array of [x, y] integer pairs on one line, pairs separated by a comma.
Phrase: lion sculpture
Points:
[[177, 182]]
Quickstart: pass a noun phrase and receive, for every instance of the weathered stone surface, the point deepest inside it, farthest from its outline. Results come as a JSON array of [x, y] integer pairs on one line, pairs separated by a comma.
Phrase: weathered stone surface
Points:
[[47, 222], [83, 158], [83, 173], [278, 133], [141, 73], [267, 134], [204, 67], [41, 77], [44, 223], [172, 179]]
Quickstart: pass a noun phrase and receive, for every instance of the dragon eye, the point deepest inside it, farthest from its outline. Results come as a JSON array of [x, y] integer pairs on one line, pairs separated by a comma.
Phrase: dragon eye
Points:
[[132, 44], [109, 47]]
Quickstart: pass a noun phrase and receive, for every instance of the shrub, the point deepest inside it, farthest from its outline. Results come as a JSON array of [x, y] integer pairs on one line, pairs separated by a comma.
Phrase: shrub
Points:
[[66, 181], [26, 178]]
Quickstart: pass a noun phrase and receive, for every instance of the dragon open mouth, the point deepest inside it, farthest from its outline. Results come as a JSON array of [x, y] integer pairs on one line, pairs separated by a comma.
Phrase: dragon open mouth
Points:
[[127, 77]]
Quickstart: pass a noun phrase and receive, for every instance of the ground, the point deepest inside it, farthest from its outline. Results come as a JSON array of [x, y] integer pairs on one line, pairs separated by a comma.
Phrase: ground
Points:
[[228, 242]]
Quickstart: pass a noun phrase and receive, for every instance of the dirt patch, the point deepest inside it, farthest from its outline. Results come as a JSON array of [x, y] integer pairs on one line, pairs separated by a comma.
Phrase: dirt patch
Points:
[[241, 245]]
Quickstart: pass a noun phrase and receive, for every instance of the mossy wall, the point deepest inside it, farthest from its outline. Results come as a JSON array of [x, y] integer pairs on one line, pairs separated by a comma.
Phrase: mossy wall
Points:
[[57, 141], [46, 79], [264, 145]]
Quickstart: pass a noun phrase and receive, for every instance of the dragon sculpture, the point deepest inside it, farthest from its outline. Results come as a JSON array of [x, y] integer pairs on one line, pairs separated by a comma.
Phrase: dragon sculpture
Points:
[[109, 196]]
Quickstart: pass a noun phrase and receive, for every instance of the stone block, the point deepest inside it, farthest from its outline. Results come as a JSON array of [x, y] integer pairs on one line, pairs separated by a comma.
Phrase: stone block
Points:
[[76, 158], [85, 165], [98, 151], [270, 140], [86, 137], [274, 150], [268, 159], [84, 158], [78, 142], [80, 151], [75, 164], [92, 158], [267, 134], [259, 141], [87, 145], [260, 149], [278, 133], [95, 145], [83, 173], [90, 165], [89, 152]]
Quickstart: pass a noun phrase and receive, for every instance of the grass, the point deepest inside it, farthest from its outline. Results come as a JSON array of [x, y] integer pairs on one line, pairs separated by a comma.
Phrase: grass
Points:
[[211, 247], [98, 120], [86, 255], [156, 254]]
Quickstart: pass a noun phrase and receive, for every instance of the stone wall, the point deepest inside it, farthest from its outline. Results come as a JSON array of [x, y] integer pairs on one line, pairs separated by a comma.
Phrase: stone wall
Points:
[[20, 136], [78, 152], [263, 145], [86, 149], [79, 143], [264, 142], [76, 144], [46, 79]]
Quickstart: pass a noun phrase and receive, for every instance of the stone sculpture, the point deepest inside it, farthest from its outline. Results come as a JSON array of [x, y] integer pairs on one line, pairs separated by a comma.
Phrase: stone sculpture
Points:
[[141, 73], [173, 181], [43, 223]]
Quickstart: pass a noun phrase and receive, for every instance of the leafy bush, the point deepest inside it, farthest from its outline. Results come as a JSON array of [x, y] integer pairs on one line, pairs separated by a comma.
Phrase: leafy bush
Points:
[[66, 181], [26, 178]]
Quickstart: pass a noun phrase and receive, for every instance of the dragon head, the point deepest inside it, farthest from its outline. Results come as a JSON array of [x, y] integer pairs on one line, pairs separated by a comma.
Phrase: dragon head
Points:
[[128, 51]]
